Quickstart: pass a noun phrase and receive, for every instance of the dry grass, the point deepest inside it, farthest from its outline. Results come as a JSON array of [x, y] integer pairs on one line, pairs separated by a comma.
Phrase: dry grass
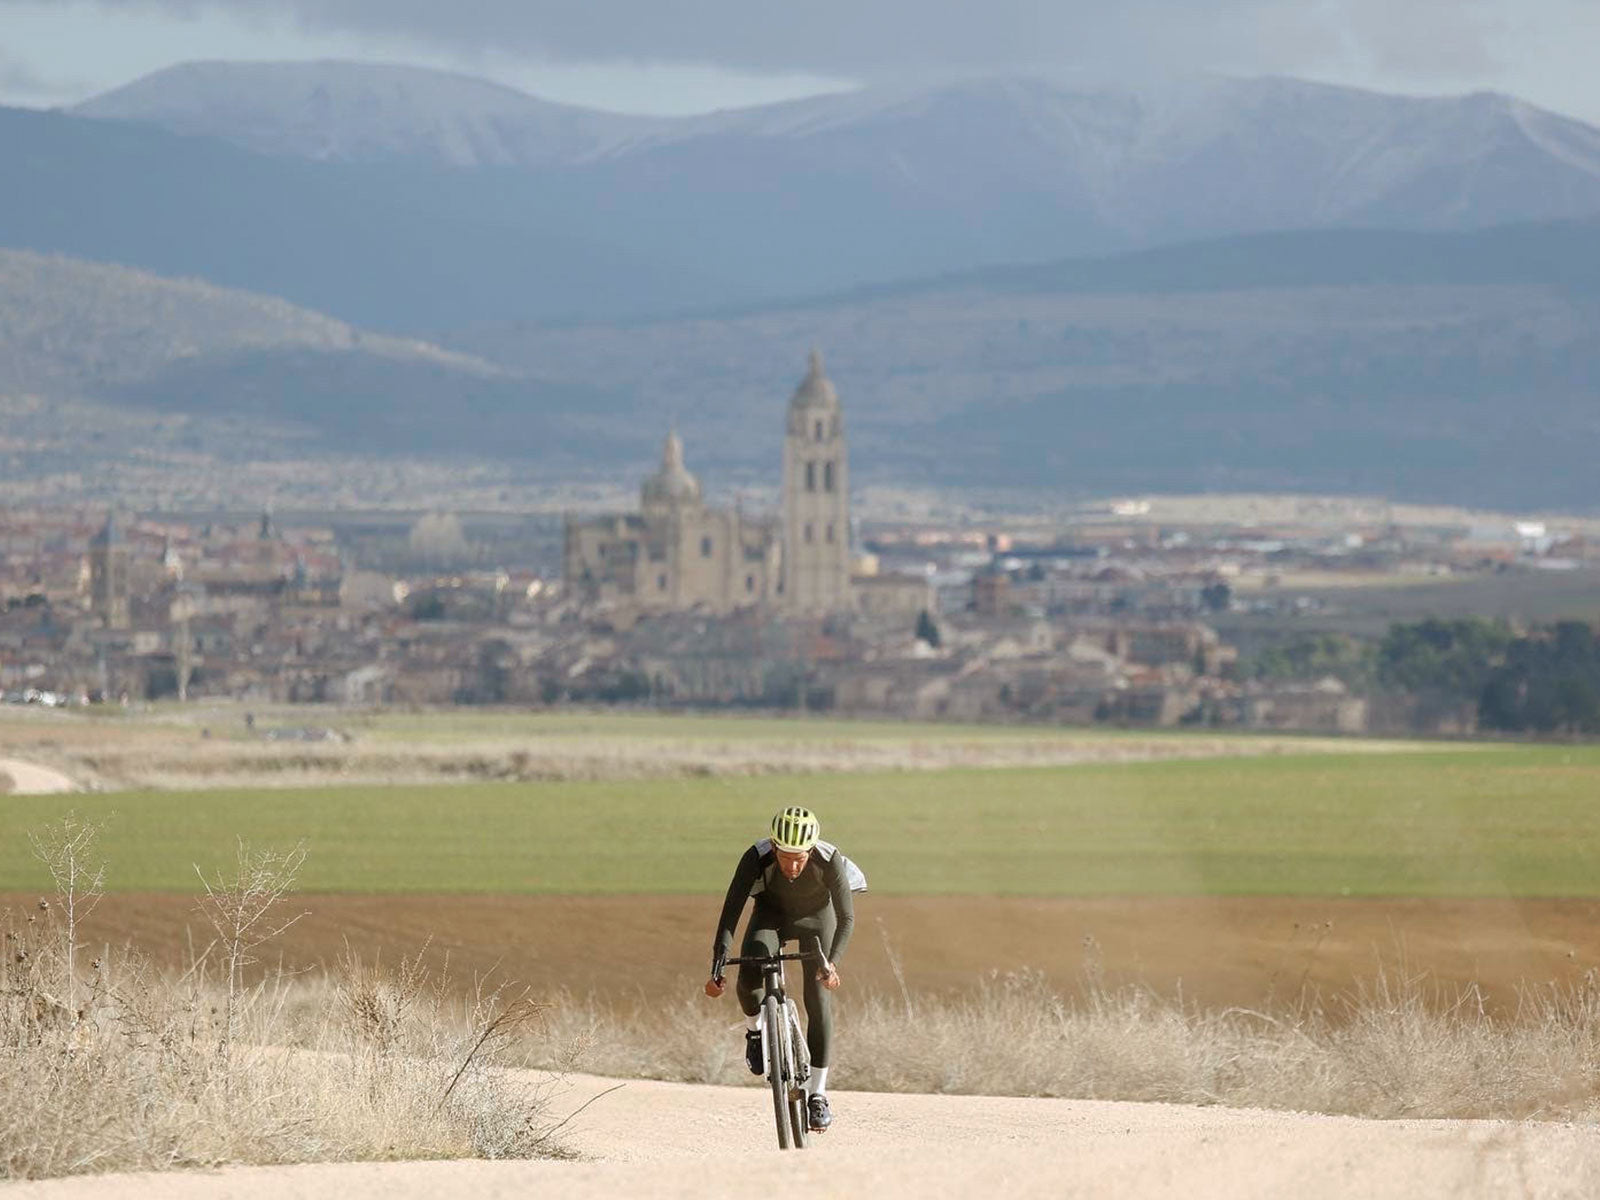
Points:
[[208, 747], [1395, 1048], [235, 765], [108, 1064], [142, 1076]]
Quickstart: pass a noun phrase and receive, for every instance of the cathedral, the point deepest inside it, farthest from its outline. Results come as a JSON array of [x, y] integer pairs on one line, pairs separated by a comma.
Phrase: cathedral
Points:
[[677, 553]]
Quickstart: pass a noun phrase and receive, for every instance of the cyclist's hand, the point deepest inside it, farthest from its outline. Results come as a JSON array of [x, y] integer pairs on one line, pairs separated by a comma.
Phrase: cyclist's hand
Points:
[[829, 975], [715, 987]]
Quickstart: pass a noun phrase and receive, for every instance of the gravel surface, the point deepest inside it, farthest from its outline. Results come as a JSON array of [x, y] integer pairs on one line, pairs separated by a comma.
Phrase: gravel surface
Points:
[[671, 1140], [30, 779]]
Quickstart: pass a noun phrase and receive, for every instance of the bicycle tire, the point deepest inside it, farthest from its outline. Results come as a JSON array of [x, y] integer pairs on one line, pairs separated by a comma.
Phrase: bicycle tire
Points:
[[799, 1066], [772, 1035], [802, 1048], [799, 1118]]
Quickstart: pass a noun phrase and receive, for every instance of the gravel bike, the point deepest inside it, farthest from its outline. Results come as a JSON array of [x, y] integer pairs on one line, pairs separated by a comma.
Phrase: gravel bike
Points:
[[783, 1048]]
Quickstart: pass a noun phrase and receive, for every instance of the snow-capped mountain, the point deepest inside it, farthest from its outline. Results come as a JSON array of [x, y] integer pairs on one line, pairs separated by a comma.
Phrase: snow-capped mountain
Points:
[[410, 200], [1195, 157], [360, 112]]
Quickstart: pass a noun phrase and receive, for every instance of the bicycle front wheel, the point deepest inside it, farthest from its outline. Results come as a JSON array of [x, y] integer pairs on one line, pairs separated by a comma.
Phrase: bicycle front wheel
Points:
[[772, 1034], [796, 1066]]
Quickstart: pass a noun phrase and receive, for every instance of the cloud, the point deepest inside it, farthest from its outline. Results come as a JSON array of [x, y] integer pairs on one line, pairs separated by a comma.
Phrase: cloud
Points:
[[874, 38], [19, 80], [1445, 39]]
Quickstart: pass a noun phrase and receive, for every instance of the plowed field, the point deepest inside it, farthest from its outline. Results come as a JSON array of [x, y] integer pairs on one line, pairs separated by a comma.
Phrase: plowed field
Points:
[[1220, 950]]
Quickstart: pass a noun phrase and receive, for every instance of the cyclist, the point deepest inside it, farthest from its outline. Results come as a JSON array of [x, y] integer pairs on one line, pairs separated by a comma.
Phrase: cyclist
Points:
[[802, 889]]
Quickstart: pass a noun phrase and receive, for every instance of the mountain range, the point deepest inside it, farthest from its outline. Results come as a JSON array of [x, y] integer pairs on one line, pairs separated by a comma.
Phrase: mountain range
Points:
[[364, 112], [408, 200]]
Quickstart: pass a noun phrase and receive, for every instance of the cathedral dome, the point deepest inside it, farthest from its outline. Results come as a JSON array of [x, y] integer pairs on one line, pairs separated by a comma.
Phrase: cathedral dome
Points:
[[673, 483], [816, 389]]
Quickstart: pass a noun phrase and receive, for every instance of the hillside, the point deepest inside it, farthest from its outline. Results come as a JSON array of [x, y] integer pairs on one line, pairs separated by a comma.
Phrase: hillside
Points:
[[1384, 364], [70, 325], [252, 371], [1562, 254], [394, 248], [1454, 368]]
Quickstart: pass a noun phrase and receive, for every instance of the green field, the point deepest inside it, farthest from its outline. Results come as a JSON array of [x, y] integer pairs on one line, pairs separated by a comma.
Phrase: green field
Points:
[[1496, 821]]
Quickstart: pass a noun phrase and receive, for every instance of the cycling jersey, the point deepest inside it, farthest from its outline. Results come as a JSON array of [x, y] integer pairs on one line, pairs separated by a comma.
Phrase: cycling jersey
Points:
[[815, 908], [827, 879]]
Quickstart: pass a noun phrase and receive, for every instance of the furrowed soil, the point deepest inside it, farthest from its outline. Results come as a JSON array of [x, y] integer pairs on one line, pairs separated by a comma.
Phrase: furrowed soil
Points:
[[1248, 951]]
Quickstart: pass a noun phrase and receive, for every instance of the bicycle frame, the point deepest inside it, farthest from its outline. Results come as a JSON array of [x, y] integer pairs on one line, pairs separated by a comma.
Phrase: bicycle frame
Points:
[[783, 1047]]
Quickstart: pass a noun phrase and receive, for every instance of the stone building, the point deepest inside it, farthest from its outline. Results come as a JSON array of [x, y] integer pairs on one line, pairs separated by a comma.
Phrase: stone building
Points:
[[816, 499], [892, 595], [1325, 706], [675, 552], [108, 575]]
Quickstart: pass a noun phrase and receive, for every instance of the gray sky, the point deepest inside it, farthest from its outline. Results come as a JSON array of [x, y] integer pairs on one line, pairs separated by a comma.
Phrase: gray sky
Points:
[[695, 55]]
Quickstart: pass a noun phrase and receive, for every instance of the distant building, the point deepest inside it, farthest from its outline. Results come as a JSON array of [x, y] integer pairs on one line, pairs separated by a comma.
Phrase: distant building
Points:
[[816, 499], [108, 575], [674, 553], [991, 593], [893, 595], [1325, 706], [677, 553]]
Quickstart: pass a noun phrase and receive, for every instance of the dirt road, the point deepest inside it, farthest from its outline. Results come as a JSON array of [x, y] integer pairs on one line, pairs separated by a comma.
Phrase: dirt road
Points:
[[30, 779], [679, 1140]]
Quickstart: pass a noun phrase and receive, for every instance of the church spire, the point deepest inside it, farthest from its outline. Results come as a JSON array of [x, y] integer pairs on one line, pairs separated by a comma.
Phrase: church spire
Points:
[[816, 390]]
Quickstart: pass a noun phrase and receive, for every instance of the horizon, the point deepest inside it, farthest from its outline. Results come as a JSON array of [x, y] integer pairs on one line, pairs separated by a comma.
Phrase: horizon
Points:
[[62, 52], [1061, 80]]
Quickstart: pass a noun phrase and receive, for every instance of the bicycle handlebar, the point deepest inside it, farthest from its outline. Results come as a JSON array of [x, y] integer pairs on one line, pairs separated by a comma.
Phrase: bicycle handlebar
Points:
[[764, 959]]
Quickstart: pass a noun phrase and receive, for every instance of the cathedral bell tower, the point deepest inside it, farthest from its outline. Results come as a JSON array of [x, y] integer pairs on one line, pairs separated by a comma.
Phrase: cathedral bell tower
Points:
[[816, 499], [108, 575]]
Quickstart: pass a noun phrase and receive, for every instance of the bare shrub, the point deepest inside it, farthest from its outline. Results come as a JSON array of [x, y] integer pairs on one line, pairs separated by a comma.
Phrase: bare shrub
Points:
[[1395, 1047], [67, 850], [242, 909], [646, 1038], [429, 1051], [150, 1071]]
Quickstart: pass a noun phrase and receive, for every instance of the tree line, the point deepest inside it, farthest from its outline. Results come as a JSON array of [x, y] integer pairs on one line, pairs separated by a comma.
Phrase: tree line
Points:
[[1545, 679]]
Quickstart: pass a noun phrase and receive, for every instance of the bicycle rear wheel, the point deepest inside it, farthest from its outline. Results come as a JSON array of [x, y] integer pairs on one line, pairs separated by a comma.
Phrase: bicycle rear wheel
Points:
[[772, 1034]]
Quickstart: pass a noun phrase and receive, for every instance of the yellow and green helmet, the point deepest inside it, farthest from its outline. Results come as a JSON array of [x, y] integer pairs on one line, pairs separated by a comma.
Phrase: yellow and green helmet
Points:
[[794, 829]]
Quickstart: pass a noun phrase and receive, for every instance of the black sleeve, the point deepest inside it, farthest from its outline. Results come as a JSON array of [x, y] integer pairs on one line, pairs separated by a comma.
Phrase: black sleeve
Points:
[[744, 878], [844, 906]]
